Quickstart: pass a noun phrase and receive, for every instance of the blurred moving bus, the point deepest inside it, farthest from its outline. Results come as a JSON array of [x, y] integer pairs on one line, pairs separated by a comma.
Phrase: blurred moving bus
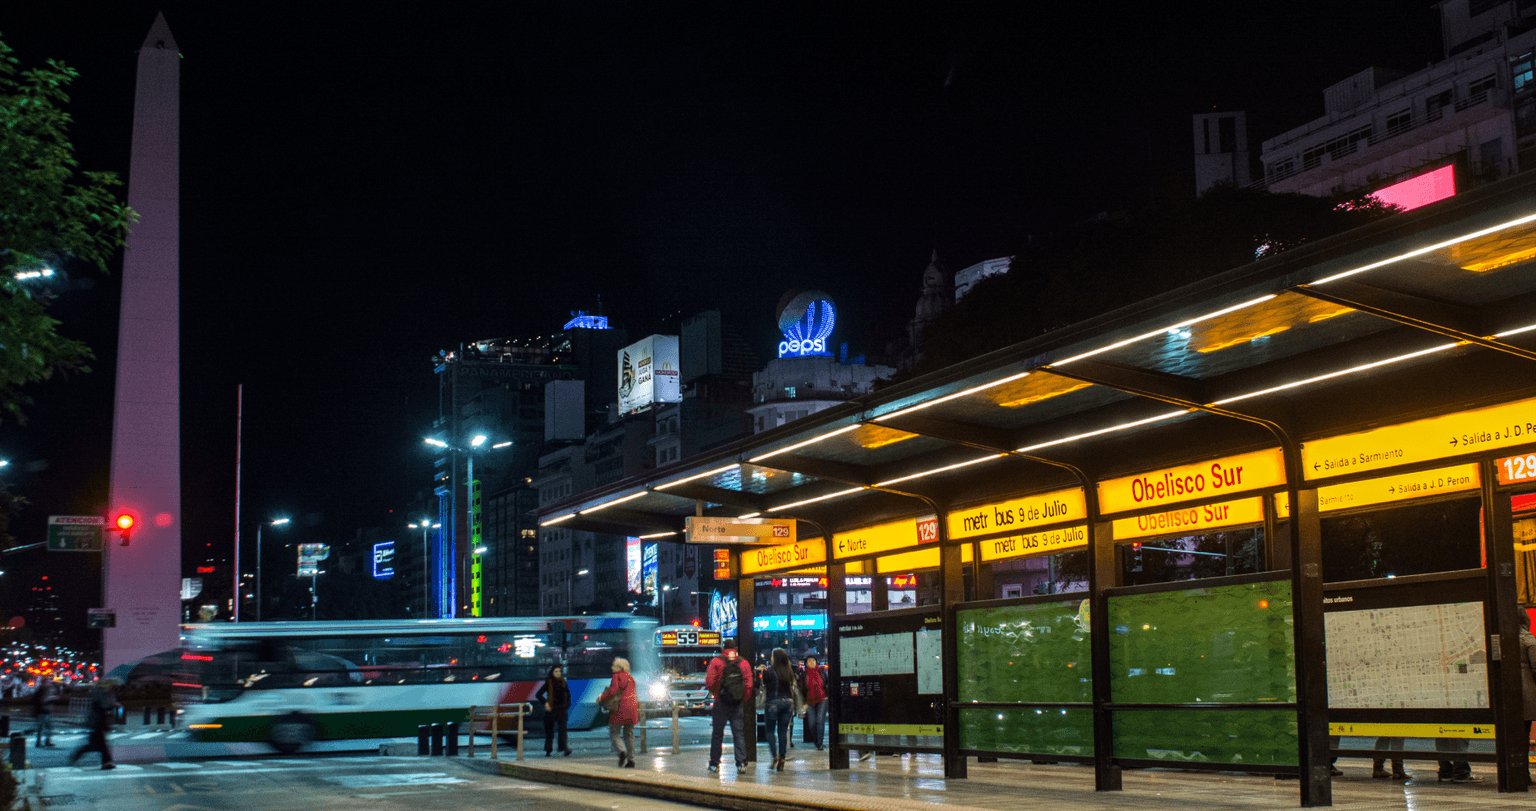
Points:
[[290, 683]]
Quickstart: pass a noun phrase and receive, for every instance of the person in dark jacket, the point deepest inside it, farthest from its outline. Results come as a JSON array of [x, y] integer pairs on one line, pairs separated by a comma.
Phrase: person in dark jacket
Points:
[[556, 695], [42, 711], [782, 696], [103, 714]]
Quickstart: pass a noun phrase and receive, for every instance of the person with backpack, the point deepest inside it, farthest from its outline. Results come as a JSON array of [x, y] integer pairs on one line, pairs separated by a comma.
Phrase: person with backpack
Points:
[[729, 680]]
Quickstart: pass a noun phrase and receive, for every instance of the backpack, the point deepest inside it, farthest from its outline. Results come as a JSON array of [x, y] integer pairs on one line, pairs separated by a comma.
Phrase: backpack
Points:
[[733, 687]]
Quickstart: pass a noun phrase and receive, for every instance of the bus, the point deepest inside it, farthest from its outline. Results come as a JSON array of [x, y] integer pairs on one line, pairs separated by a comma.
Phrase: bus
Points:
[[684, 652], [291, 683]]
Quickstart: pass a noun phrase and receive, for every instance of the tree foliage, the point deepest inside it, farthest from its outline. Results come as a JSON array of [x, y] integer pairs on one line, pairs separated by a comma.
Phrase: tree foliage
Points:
[[49, 212], [1112, 262]]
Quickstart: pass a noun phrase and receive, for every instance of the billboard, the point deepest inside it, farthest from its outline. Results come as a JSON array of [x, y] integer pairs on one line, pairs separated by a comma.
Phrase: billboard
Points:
[[649, 373], [632, 556], [384, 560], [648, 570]]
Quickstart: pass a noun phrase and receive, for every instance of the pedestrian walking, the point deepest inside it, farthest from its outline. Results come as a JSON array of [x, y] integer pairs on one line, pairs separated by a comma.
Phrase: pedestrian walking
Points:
[[42, 711], [813, 688], [556, 695], [782, 691], [102, 715], [1527, 680], [729, 680], [623, 705]]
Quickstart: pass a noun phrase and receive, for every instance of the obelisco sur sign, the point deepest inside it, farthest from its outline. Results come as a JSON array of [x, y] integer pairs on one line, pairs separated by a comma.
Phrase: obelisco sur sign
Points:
[[143, 580]]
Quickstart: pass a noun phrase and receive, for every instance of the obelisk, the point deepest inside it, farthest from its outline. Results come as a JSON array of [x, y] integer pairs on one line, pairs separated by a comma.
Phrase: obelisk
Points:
[[143, 579]]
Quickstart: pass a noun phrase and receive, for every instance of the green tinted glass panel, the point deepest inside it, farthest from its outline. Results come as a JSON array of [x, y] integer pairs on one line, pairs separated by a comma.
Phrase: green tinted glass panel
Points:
[[1026, 731], [1226, 644], [1026, 653], [1250, 737]]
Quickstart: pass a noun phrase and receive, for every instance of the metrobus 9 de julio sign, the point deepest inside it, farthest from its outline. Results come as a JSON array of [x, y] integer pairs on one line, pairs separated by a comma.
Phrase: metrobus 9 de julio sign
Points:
[[1480, 429], [756, 559], [1018, 513], [1215, 477], [1034, 543]]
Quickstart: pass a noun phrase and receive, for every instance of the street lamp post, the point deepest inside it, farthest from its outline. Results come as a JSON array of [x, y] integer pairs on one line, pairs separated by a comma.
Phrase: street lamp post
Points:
[[570, 606], [475, 445], [276, 523], [664, 590], [426, 526]]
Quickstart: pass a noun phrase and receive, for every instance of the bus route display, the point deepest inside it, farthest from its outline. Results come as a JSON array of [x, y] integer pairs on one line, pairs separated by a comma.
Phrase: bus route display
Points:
[[890, 676]]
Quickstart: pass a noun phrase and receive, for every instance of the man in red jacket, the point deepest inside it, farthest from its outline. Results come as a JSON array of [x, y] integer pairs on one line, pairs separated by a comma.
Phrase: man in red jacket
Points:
[[729, 679]]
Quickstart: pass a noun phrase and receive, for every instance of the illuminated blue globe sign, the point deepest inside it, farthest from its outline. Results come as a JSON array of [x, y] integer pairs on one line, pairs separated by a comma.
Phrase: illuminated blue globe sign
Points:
[[807, 322]]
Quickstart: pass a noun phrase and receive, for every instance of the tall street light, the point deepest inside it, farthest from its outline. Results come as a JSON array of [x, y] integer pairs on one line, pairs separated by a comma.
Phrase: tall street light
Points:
[[276, 522], [570, 606], [471, 524], [664, 590], [426, 525]]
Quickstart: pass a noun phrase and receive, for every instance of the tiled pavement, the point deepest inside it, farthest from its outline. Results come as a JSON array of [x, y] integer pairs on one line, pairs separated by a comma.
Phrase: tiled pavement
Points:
[[911, 782]]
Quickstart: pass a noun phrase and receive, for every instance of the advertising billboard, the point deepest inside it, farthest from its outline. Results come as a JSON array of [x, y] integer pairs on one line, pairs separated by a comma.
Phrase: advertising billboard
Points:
[[649, 373], [632, 556], [648, 570]]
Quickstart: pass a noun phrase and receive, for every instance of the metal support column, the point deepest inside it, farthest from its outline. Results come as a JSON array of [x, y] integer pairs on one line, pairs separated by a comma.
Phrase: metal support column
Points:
[[837, 606], [1314, 755], [1511, 743], [1102, 574], [746, 646], [951, 595]]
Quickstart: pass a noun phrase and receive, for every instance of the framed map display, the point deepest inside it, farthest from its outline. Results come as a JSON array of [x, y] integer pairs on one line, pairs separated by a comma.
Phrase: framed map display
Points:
[[890, 679], [1408, 657]]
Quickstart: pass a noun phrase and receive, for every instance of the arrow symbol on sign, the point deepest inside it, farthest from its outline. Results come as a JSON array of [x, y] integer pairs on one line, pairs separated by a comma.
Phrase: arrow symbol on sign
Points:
[[1453, 440]]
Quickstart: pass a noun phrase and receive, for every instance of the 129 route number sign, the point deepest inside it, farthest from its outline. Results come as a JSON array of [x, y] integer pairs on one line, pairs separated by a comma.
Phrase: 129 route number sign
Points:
[[1516, 469]]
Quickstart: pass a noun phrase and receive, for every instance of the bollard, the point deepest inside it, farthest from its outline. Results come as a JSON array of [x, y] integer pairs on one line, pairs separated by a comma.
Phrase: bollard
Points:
[[18, 751], [160, 715], [5, 726], [453, 739], [421, 740], [675, 730], [437, 740], [146, 715]]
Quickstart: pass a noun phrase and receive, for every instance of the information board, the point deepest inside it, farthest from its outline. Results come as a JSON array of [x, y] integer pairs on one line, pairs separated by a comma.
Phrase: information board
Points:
[[890, 677], [1419, 657]]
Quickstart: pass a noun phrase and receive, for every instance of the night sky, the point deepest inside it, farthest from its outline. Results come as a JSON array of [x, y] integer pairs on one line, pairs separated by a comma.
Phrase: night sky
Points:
[[364, 188]]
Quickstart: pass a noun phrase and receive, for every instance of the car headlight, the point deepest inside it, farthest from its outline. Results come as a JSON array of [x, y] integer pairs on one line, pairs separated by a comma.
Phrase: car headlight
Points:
[[658, 691]]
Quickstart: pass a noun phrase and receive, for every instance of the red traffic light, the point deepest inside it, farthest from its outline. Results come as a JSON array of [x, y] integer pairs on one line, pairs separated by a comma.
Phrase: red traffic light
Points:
[[124, 522]]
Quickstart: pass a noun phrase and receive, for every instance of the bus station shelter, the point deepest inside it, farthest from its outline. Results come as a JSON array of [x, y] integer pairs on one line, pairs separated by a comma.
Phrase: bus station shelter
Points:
[[1350, 425]]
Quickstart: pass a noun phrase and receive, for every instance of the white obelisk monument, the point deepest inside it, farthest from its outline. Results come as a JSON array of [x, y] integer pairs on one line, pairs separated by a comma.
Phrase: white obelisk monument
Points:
[[143, 580]]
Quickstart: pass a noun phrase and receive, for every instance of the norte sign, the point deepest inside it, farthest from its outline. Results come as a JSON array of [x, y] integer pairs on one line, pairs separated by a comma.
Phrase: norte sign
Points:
[[740, 530], [75, 533]]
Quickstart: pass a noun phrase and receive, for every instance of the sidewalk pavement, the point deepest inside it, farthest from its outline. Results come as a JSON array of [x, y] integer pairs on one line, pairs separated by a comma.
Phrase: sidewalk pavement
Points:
[[913, 782]]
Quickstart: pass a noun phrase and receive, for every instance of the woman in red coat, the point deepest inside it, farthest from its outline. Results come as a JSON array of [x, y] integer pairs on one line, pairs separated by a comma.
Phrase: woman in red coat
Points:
[[625, 713]]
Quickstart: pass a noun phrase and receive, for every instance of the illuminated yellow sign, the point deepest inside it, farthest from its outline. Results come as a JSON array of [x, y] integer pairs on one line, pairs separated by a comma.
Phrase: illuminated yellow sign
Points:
[[1191, 519], [1412, 730], [1218, 477], [916, 561], [1388, 489], [891, 729], [768, 558], [884, 537], [1017, 513], [1052, 540], [1499, 426]]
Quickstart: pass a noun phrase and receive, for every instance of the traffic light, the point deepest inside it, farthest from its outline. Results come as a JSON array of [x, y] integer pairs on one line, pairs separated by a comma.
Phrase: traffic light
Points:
[[124, 523]]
